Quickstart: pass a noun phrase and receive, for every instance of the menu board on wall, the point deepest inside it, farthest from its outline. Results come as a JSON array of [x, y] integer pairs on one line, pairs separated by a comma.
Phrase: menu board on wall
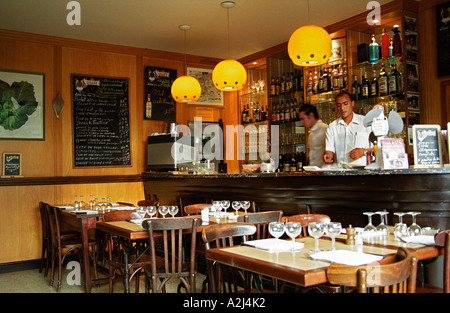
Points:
[[427, 146], [158, 102], [101, 132]]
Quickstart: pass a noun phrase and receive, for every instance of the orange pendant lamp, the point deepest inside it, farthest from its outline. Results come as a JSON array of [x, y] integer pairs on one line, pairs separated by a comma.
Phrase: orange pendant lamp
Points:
[[186, 88], [309, 45], [229, 75]]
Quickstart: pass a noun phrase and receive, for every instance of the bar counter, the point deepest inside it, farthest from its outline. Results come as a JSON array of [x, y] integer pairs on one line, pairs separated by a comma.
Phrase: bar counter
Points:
[[343, 195]]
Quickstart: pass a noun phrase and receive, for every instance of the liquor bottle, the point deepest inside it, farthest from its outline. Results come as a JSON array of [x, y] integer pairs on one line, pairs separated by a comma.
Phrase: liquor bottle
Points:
[[383, 87], [356, 88], [321, 81], [148, 107], [365, 87], [300, 162], [393, 80], [384, 44], [283, 84], [335, 78], [396, 41], [245, 115], [264, 113], [280, 164], [325, 86], [286, 163], [293, 163], [257, 115], [274, 116], [277, 86], [374, 85], [272, 87], [281, 113], [287, 112], [309, 87], [340, 77], [374, 51], [315, 82]]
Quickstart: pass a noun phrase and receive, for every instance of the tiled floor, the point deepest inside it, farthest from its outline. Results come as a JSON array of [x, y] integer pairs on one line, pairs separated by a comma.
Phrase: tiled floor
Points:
[[31, 281]]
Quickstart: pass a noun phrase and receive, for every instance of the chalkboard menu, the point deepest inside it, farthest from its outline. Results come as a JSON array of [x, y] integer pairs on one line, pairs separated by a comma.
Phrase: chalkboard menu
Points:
[[100, 121], [12, 164], [427, 146], [158, 102]]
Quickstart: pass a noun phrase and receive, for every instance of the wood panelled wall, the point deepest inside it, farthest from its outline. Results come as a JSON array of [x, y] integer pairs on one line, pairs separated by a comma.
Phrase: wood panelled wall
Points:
[[58, 58]]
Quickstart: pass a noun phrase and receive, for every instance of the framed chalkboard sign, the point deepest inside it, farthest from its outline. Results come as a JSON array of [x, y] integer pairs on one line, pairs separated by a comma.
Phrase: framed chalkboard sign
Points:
[[101, 131], [158, 101], [427, 146], [12, 164]]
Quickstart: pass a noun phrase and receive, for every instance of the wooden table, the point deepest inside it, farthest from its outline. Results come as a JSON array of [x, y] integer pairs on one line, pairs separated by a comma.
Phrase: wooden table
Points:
[[127, 231], [297, 267], [84, 222]]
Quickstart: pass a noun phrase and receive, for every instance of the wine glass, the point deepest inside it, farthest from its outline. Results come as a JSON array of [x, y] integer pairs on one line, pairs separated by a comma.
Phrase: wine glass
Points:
[[81, 203], [173, 210], [333, 229], [369, 227], [97, 206], [276, 229], [414, 229], [400, 228], [163, 210], [245, 205], [316, 230], [225, 205], [293, 229], [141, 212], [91, 202], [108, 204], [76, 204], [383, 228], [236, 206], [151, 210]]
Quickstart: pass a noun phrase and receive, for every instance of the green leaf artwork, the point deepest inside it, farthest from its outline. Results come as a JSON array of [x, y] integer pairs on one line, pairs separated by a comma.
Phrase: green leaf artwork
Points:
[[17, 102]]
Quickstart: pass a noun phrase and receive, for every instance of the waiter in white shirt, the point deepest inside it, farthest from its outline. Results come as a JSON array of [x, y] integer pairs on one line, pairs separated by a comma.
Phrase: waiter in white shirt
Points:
[[309, 117], [347, 139]]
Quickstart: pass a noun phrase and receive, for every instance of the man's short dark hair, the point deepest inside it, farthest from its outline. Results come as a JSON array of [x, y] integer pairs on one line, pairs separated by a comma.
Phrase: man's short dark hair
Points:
[[342, 93], [309, 108]]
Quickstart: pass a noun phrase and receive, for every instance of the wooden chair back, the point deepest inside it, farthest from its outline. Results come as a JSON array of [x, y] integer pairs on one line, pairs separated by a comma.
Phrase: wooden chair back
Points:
[[221, 277], [174, 232], [442, 239], [261, 220], [119, 215], [148, 203], [305, 219], [393, 274], [195, 209]]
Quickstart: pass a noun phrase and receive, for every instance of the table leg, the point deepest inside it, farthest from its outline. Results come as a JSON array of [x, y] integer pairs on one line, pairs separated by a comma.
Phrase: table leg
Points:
[[126, 271], [86, 263]]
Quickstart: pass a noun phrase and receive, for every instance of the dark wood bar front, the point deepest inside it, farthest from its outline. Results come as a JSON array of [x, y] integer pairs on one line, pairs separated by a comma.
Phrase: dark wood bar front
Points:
[[343, 195]]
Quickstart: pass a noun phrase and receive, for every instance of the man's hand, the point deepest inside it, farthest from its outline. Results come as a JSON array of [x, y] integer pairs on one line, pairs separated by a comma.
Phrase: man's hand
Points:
[[328, 157], [356, 153]]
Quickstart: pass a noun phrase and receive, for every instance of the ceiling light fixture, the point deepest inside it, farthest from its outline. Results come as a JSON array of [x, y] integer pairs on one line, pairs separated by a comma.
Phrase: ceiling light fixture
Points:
[[309, 45], [185, 88], [229, 75]]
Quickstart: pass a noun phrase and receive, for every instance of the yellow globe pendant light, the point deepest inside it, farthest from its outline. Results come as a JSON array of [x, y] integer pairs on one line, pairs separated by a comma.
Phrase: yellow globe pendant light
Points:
[[185, 88], [229, 75], [309, 45]]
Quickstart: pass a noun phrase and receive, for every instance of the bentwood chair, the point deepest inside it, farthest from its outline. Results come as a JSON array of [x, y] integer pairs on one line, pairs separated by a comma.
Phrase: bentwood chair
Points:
[[305, 219], [61, 246], [115, 252], [223, 278], [393, 274], [195, 209], [148, 203], [176, 263]]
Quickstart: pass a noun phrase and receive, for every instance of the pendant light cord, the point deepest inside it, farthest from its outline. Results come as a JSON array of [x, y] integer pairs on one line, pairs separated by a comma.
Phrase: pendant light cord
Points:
[[185, 64], [228, 28]]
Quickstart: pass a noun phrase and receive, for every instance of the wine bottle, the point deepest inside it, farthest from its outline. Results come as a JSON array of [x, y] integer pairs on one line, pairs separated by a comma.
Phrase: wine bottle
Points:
[[245, 115], [356, 88], [315, 82], [365, 87], [335, 78], [383, 87], [309, 87], [374, 85], [272, 87], [393, 80]]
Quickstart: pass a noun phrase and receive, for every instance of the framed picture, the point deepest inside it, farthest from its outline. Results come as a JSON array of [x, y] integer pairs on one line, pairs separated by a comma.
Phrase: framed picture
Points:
[[338, 50], [21, 105], [12, 165], [210, 95], [443, 38]]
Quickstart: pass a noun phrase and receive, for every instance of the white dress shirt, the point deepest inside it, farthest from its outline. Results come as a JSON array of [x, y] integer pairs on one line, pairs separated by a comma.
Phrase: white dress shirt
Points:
[[342, 138], [316, 143]]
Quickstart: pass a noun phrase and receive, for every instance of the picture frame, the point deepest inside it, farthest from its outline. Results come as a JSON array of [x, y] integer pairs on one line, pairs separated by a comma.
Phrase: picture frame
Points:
[[210, 94], [12, 165], [443, 39], [338, 49], [25, 119]]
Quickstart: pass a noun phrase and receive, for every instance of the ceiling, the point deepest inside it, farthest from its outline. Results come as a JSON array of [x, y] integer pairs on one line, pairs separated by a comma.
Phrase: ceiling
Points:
[[255, 25]]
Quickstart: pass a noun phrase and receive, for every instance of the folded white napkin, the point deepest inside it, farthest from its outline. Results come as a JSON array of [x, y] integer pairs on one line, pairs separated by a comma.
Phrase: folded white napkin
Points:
[[65, 207], [273, 244], [346, 257], [422, 239], [85, 212]]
